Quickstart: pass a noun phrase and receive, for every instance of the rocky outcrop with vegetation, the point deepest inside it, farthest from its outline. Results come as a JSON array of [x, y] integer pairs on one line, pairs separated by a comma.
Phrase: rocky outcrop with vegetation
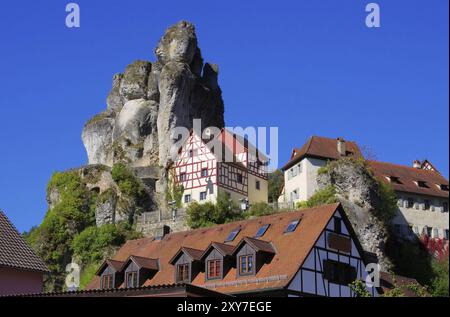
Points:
[[369, 204]]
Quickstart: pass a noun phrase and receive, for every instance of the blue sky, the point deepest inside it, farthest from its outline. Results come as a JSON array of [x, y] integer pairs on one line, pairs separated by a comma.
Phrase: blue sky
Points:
[[308, 67]]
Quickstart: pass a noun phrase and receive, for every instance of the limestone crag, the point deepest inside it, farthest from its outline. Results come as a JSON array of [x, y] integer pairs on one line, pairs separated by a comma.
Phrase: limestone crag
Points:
[[149, 100], [359, 194]]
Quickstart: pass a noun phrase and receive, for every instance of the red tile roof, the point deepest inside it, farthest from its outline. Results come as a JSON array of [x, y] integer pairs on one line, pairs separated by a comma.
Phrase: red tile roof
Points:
[[291, 249], [409, 176], [14, 251], [142, 262], [321, 147]]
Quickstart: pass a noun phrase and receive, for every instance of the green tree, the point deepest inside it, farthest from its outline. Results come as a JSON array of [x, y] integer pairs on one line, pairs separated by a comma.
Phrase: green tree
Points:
[[275, 184], [208, 213]]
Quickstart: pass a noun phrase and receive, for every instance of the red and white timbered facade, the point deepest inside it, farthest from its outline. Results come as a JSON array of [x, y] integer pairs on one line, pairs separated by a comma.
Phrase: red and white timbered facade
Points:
[[204, 173]]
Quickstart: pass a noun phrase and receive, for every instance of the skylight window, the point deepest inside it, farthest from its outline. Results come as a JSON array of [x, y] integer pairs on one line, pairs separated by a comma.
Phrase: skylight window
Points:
[[232, 235], [261, 231], [292, 225]]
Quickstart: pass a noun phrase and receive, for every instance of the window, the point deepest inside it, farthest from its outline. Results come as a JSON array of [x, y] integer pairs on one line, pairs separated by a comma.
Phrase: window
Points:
[[445, 206], [292, 225], [132, 279], [410, 203], [416, 230], [183, 272], [187, 198], [338, 272], [422, 184], [446, 234], [435, 233], [400, 202], [246, 264], [300, 167], [183, 177], [232, 235], [239, 178], [107, 281], [444, 187], [202, 195], [295, 194], [258, 185], [394, 179], [294, 171], [261, 231], [429, 230], [214, 268], [337, 225], [426, 204], [204, 172], [192, 153]]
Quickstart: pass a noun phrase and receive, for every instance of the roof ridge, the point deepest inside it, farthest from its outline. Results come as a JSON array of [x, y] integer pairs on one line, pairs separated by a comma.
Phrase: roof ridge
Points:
[[403, 166]]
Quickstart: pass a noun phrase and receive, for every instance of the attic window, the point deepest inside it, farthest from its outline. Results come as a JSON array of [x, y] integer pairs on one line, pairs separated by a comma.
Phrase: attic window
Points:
[[132, 279], [394, 180], [232, 235], [292, 225], [261, 231], [422, 184]]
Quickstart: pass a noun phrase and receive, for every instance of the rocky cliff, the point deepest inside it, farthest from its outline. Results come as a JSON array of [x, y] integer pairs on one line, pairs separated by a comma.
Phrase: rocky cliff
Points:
[[369, 205], [149, 99]]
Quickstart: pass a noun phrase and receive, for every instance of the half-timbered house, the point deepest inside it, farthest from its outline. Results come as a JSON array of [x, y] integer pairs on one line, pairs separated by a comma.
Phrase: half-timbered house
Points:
[[310, 252], [227, 164]]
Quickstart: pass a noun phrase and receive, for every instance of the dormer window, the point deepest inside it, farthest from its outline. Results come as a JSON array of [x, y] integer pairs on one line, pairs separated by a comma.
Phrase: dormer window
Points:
[[138, 269], [110, 273], [394, 180], [251, 254], [187, 263], [214, 269], [246, 264], [422, 184], [444, 187], [132, 279], [107, 281], [218, 260], [183, 273]]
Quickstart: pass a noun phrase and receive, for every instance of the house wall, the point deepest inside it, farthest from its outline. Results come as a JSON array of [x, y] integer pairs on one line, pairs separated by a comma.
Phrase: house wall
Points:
[[304, 181], [415, 219], [13, 281], [255, 195], [310, 281]]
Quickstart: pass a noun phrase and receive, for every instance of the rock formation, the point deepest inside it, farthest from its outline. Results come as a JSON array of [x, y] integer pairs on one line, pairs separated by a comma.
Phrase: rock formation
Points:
[[360, 196], [150, 99]]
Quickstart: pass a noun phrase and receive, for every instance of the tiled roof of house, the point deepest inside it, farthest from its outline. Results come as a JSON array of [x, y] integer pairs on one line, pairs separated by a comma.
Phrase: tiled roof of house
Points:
[[14, 251], [389, 281], [409, 177], [321, 147], [291, 249], [151, 264]]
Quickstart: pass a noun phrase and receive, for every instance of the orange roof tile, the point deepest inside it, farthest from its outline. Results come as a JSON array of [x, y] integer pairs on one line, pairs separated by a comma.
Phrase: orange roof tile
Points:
[[321, 147], [409, 176], [291, 249]]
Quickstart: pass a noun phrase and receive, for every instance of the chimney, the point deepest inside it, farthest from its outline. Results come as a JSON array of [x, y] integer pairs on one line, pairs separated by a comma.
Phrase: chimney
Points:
[[417, 164], [161, 232], [341, 146]]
